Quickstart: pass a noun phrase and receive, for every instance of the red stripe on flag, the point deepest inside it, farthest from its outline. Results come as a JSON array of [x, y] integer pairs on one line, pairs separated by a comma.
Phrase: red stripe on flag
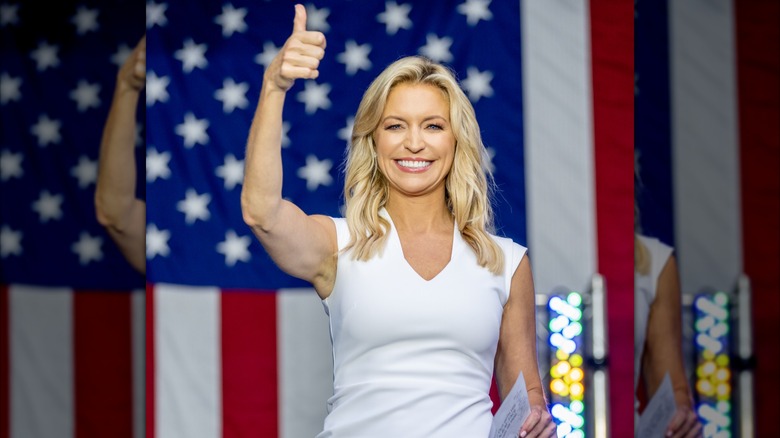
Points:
[[5, 376], [149, 349], [758, 74], [612, 54], [249, 364], [102, 347]]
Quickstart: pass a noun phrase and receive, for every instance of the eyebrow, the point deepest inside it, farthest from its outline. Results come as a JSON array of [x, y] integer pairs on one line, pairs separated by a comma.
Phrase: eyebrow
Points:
[[424, 120]]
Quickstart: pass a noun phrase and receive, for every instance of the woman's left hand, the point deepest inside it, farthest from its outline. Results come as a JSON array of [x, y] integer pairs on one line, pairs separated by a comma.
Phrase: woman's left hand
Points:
[[538, 424]]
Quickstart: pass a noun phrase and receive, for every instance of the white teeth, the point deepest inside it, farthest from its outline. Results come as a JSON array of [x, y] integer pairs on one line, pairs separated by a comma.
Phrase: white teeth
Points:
[[414, 164]]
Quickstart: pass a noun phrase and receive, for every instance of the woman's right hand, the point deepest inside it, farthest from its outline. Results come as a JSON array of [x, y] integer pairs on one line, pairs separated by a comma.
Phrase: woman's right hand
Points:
[[300, 56]]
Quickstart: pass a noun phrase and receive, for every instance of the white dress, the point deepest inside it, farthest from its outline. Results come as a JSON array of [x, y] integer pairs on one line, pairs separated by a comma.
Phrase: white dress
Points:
[[645, 287], [414, 358]]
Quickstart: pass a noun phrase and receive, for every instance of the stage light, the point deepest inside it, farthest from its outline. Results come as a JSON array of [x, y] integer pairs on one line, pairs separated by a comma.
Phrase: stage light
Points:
[[712, 324], [566, 372]]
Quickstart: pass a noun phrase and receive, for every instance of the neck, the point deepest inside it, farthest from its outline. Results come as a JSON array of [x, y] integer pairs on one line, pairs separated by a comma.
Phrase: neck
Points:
[[419, 214]]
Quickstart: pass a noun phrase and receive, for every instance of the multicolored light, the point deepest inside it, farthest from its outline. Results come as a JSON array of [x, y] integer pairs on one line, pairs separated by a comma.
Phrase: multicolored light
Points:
[[712, 325], [566, 373]]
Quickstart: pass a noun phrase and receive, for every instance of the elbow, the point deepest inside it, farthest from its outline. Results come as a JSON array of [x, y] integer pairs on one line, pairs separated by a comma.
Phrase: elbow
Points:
[[108, 215], [257, 214]]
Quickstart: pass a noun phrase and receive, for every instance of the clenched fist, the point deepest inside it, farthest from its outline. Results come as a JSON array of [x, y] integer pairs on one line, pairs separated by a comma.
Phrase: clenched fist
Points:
[[132, 75], [300, 56]]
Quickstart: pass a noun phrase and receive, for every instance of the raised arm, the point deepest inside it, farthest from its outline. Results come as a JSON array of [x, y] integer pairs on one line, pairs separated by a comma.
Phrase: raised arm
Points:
[[517, 352], [116, 206], [301, 245], [663, 351]]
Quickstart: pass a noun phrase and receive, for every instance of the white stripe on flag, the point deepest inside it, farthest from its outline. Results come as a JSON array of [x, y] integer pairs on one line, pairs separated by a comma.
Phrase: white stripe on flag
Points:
[[305, 362], [137, 303], [705, 144], [41, 362], [558, 117], [187, 356]]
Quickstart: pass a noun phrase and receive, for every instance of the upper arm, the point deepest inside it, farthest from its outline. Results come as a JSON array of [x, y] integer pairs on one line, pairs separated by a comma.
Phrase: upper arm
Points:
[[301, 245], [517, 339], [664, 332], [130, 237]]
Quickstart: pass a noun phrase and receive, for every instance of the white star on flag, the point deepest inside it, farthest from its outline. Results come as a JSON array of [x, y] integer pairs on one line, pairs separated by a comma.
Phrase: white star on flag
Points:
[[345, 133], [9, 88], [10, 242], [192, 56], [157, 242], [156, 88], [9, 14], [477, 84], [157, 165], [437, 49], [194, 206], [48, 206], [395, 17], [47, 130], [120, 56], [355, 57], [10, 165], [315, 96], [88, 248], [316, 172], [285, 138], [232, 95], [86, 95], [317, 19], [155, 14], [85, 20], [231, 20], [45, 56], [268, 54], [232, 171], [193, 130], [475, 10], [234, 248], [491, 153], [86, 171]]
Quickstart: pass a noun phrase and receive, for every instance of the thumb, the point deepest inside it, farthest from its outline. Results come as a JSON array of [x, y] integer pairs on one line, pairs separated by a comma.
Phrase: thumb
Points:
[[299, 22]]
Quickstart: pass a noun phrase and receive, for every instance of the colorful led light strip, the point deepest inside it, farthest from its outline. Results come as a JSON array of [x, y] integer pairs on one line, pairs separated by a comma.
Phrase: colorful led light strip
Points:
[[567, 377], [712, 325]]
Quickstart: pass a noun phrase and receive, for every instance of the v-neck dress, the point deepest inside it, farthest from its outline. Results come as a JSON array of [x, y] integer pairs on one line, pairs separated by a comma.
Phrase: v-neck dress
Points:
[[414, 357]]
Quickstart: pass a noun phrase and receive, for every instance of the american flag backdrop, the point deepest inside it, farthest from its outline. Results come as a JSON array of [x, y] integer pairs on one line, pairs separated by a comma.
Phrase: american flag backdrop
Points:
[[71, 308], [237, 348]]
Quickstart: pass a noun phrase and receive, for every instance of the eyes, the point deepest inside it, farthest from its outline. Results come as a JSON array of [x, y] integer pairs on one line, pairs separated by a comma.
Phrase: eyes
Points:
[[430, 126]]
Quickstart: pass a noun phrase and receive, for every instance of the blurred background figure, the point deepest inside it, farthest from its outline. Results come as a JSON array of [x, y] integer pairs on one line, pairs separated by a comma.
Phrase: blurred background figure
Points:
[[117, 207], [238, 346], [707, 154], [71, 306], [658, 332]]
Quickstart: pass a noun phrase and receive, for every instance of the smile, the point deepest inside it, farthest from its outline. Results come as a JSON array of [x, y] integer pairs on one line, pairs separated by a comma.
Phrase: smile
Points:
[[414, 164]]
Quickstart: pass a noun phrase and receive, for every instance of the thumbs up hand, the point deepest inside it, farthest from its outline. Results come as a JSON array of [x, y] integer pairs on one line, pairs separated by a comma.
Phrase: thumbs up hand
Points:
[[300, 56]]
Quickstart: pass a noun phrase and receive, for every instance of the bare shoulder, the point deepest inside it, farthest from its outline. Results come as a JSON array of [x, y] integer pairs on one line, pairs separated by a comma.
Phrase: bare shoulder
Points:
[[328, 226]]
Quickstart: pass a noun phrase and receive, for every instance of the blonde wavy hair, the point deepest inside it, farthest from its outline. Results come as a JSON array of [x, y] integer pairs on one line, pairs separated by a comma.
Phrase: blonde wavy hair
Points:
[[469, 184]]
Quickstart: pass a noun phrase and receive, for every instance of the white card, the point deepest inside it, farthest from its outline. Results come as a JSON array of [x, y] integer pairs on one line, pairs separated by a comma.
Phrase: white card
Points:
[[512, 413], [659, 411]]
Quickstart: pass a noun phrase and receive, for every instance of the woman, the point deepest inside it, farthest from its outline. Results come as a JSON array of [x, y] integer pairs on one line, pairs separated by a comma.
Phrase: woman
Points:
[[422, 301], [658, 332], [117, 208]]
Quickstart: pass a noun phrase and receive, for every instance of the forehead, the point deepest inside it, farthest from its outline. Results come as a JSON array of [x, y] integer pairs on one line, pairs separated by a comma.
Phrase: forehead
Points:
[[421, 99]]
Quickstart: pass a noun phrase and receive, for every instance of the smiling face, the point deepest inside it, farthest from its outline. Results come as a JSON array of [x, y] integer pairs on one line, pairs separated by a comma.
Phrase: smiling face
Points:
[[415, 144]]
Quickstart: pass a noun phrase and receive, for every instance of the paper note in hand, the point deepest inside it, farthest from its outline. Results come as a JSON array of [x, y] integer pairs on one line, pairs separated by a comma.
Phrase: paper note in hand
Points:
[[512, 413], [659, 411]]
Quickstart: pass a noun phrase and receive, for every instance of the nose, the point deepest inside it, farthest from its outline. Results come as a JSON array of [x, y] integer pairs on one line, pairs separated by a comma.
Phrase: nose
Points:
[[414, 141]]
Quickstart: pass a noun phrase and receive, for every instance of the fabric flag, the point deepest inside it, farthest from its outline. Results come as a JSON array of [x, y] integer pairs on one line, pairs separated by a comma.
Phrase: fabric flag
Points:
[[71, 308], [238, 348], [708, 147]]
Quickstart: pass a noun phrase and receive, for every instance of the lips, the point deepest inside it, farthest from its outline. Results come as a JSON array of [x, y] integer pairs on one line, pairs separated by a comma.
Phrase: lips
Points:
[[414, 164]]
